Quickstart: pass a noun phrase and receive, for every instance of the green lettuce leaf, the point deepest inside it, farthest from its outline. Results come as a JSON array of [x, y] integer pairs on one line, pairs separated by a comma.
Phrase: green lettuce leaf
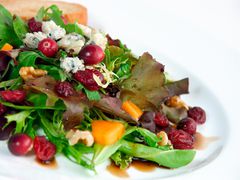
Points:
[[171, 158], [122, 160], [20, 27]]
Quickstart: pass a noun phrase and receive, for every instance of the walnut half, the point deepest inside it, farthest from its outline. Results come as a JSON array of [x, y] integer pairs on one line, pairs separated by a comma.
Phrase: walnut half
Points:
[[74, 136], [28, 73]]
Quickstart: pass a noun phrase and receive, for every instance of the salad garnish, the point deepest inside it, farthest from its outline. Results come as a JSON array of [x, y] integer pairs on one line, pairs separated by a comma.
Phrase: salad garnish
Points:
[[67, 88]]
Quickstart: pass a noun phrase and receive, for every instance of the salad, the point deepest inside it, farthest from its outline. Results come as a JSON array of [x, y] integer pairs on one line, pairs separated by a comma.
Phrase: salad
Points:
[[70, 89]]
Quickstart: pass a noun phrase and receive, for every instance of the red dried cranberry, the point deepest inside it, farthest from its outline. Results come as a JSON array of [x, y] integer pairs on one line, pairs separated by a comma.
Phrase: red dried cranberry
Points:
[[180, 139], [34, 26], [113, 42], [6, 131], [14, 96], [20, 144], [64, 89], [161, 120], [197, 114], [3, 109], [91, 54], [44, 149], [86, 78], [48, 47], [188, 125]]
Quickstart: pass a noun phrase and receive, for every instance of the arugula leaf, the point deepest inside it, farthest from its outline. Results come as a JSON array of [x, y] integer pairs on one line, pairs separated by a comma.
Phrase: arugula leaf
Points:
[[19, 118], [40, 14], [7, 34], [20, 107], [122, 160], [73, 28], [20, 27], [77, 156], [55, 15], [171, 158]]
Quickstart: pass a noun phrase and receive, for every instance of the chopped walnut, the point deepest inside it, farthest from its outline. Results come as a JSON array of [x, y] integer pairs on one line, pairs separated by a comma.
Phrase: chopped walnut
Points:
[[74, 136], [164, 138], [28, 73], [176, 101]]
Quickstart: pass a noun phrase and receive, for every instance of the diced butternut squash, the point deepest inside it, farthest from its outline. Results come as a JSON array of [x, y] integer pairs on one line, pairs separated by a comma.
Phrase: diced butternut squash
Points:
[[132, 109], [107, 132], [7, 47]]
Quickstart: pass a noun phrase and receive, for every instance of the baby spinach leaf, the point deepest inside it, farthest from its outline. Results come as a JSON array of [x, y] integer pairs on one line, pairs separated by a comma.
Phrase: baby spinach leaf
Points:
[[54, 71], [20, 27], [102, 153], [171, 158], [92, 95], [5, 16]]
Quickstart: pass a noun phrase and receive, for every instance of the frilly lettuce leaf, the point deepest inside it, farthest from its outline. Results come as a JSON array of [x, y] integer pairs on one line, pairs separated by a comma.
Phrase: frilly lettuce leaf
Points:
[[146, 87]]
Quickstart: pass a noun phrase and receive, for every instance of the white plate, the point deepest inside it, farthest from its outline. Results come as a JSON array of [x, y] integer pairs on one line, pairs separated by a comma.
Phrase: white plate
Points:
[[27, 168]]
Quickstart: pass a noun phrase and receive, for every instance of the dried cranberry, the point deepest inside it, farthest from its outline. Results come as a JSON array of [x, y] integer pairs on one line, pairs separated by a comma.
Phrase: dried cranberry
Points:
[[180, 139], [34, 25], [161, 120], [44, 149], [113, 42], [91, 54], [112, 90], [48, 47], [64, 89], [197, 114], [3, 109], [147, 121], [20, 144], [188, 125], [86, 78], [6, 131], [14, 96]]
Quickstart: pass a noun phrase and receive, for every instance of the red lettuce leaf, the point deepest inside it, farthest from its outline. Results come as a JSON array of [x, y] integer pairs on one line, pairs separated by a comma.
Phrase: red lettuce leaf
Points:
[[146, 87]]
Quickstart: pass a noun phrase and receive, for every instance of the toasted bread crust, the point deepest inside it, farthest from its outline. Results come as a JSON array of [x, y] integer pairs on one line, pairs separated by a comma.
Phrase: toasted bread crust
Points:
[[27, 9]]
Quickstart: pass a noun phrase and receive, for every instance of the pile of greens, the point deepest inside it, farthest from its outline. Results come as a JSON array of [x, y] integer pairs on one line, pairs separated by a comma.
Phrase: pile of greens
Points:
[[141, 80]]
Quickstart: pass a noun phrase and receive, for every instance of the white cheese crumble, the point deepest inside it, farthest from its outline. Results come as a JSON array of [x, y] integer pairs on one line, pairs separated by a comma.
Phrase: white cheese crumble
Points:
[[32, 39], [95, 36], [87, 31], [72, 64], [99, 39], [53, 30], [72, 41]]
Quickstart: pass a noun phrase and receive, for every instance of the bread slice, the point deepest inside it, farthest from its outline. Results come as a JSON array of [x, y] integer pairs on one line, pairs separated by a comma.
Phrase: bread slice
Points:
[[28, 8]]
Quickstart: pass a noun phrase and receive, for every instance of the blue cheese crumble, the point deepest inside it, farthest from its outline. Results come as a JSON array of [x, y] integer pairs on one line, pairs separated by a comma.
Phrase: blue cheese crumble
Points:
[[72, 41], [53, 30], [72, 64], [31, 40]]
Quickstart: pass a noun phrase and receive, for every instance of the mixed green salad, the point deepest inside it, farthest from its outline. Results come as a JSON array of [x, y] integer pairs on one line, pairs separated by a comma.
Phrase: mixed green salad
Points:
[[69, 89]]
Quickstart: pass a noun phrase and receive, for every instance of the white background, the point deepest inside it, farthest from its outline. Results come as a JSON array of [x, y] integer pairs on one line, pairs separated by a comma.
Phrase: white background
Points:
[[202, 36]]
